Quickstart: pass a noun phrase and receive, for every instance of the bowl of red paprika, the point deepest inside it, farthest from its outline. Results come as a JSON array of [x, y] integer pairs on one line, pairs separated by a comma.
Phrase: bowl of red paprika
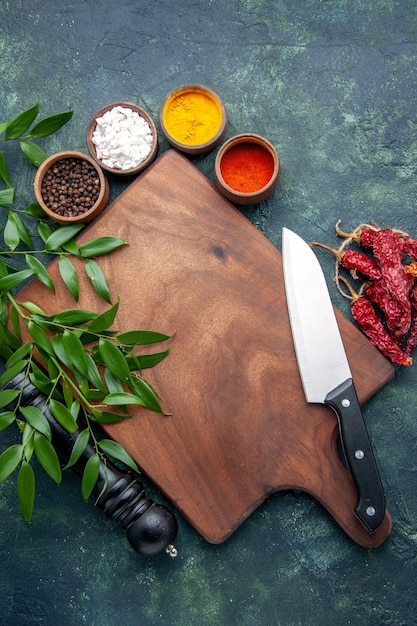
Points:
[[246, 170]]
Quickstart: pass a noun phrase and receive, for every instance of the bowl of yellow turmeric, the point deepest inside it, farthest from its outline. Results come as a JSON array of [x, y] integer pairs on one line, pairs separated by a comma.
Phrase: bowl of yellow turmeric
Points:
[[193, 119]]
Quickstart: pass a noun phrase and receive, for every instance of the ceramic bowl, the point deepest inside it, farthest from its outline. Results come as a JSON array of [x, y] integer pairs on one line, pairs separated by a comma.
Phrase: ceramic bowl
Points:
[[47, 168], [236, 173], [133, 171], [193, 119]]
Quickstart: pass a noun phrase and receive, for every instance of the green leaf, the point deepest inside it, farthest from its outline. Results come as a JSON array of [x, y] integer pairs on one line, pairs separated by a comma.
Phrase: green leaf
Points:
[[79, 447], [21, 227], [26, 490], [12, 371], [47, 457], [59, 350], [6, 197], [107, 417], [27, 440], [93, 374], [4, 172], [50, 125], [74, 317], [6, 419], [19, 354], [44, 231], [97, 278], [69, 276], [33, 308], [20, 124], [40, 337], [122, 399], [15, 320], [34, 209], [71, 247], [99, 246], [3, 268], [60, 236], [8, 339], [75, 351], [9, 460], [7, 396], [141, 337], [11, 233], [63, 416], [39, 378], [144, 390], [34, 153], [115, 450], [13, 280], [40, 270], [74, 408], [145, 361], [90, 475], [37, 420], [105, 320], [114, 359], [68, 398], [53, 371], [113, 384]]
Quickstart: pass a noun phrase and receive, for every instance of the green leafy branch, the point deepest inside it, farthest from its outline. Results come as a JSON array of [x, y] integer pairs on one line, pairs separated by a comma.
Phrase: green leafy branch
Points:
[[18, 129], [90, 372]]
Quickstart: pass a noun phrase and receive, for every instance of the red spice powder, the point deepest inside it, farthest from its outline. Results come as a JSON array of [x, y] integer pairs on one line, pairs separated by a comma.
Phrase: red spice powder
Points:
[[247, 167]]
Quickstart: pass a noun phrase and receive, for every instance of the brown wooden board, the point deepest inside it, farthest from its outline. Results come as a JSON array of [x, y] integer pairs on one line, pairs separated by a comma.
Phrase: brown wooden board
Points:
[[240, 427]]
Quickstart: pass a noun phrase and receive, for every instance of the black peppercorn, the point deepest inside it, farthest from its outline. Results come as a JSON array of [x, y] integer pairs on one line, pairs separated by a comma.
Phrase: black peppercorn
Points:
[[70, 187]]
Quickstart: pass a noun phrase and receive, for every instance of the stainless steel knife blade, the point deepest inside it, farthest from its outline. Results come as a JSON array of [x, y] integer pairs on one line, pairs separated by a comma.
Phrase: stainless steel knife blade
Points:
[[325, 371]]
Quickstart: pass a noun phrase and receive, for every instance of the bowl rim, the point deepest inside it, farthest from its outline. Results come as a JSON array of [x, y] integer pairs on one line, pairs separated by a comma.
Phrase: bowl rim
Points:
[[200, 148], [93, 123], [248, 138], [60, 156]]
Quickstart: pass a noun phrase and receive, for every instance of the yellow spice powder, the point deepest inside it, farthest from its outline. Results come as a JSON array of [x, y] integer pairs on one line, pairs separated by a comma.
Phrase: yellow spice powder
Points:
[[192, 117]]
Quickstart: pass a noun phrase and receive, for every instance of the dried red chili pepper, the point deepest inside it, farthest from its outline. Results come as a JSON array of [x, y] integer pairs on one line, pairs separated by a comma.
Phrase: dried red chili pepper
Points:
[[411, 341], [354, 260], [389, 306], [388, 250], [391, 309], [410, 247], [371, 325]]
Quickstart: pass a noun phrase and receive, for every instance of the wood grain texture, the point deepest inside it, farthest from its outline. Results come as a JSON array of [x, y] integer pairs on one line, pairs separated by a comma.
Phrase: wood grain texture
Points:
[[240, 427]]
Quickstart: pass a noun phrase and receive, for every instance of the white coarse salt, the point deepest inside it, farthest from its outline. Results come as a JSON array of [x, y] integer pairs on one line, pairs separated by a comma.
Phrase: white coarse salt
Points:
[[123, 139]]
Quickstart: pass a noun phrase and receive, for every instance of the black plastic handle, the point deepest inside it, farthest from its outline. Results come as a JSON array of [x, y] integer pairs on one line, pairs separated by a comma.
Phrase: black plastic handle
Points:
[[370, 509], [151, 528]]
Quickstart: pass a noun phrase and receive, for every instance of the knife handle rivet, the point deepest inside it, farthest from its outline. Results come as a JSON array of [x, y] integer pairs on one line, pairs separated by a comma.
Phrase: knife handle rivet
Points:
[[359, 454], [370, 511], [345, 403]]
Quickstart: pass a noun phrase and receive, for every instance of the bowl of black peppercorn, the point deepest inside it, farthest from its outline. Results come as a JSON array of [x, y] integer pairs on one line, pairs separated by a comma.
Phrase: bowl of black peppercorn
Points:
[[71, 187]]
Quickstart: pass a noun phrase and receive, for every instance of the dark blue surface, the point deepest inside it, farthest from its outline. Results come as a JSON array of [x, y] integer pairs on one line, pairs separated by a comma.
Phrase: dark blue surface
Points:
[[333, 85]]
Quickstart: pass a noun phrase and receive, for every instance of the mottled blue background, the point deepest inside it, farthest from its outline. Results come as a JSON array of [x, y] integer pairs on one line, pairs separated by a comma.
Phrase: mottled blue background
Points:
[[332, 83]]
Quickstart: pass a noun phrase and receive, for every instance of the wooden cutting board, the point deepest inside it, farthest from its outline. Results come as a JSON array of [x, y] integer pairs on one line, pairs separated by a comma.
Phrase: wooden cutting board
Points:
[[240, 427]]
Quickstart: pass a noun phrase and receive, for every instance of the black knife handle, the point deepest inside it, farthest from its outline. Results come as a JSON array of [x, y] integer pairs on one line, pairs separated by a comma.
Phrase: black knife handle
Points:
[[150, 527], [370, 509]]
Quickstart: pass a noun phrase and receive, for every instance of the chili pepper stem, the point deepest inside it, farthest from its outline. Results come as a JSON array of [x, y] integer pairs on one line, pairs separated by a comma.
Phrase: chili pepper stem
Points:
[[337, 253], [353, 294], [356, 234]]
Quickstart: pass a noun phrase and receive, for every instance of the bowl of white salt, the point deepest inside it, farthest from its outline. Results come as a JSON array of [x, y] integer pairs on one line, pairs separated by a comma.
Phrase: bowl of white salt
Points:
[[122, 138]]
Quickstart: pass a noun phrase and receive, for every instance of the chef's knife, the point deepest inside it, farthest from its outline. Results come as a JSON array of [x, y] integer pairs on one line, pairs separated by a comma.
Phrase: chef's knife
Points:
[[325, 372]]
